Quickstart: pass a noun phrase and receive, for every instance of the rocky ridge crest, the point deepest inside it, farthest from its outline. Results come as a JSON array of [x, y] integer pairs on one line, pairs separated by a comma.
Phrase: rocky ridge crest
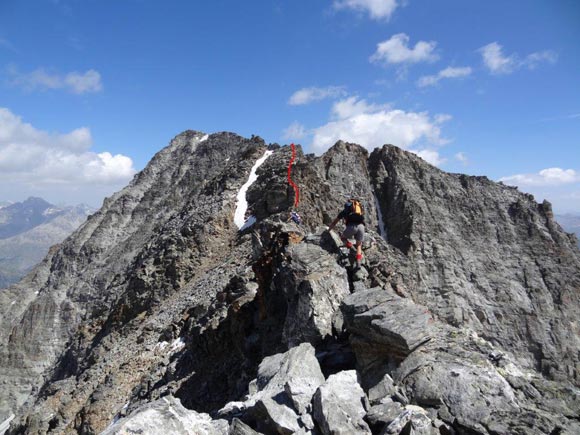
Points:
[[158, 311]]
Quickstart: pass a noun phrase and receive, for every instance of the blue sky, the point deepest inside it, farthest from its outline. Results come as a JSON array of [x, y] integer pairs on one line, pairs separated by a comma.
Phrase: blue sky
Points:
[[91, 89]]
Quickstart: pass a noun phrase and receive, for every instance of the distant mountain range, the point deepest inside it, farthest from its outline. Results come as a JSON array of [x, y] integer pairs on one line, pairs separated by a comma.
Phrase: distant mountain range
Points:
[[570, 223], [28, 229]]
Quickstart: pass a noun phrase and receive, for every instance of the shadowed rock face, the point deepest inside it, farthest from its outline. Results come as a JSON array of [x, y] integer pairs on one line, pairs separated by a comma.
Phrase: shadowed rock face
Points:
[[473, 298]]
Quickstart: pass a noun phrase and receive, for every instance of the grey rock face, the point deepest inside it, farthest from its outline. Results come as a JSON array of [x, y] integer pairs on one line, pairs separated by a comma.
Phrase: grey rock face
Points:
[[389, 322], [167, 416], [486, 256], [317, 286], [472, 299], [571, 224], [240, 428], [339, 405]]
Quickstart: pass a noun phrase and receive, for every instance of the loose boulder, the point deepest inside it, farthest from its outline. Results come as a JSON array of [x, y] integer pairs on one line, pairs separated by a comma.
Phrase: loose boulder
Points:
[[339, 405]]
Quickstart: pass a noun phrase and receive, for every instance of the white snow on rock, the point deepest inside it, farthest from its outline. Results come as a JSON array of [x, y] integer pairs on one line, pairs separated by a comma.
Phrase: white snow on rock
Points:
[[204, 138], [242, 204], [171, 348], [176, 345], [5, 425], [382, 229]]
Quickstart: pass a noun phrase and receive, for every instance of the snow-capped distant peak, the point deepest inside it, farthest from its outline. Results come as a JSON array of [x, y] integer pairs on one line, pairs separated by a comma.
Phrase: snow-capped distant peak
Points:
[[50, 211]]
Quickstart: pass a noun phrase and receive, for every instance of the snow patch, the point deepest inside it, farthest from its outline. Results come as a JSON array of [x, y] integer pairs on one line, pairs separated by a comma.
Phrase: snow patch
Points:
[[5, 425], [204, 138], [382, 229], [50, 211], [161, 345], [242, 204], [177, 345]]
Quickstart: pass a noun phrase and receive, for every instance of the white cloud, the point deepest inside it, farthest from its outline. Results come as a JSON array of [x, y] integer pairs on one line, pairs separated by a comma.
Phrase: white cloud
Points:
[[294, 131], [546, 177], [462, 157], [532, 61], [371, 126], [32, 157], [498, 63], [495, 61], [78, 83], [430, 156], [308, 95], [447, 73], [40, 79], [396, 50], [377, 9]]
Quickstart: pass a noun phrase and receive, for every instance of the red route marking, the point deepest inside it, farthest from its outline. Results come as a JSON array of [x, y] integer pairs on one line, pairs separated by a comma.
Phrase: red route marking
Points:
[[290, 182]]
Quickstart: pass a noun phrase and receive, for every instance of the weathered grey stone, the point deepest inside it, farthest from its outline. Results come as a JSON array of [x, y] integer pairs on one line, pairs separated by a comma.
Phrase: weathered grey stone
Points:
[[383, 414], [388, 321], [415, 419], [277, 417], [382, 390], [483, 255], [338, 405], [314, 286], [237, 427], [296, 373], [167, 416], [285, 385]]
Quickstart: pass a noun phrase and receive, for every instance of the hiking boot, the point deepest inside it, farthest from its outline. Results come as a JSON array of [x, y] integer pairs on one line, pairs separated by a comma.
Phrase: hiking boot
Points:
[[358, 261]]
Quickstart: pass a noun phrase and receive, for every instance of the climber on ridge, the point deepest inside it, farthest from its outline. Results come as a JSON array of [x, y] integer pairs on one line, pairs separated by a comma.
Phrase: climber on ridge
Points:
[[354, 219]]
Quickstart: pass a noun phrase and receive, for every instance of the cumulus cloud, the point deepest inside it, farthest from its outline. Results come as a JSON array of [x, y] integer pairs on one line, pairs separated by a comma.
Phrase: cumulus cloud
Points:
[[294, 131], [377, 9], [396, 51], [33, 157], [546, 177], [498, 63], [40, 79], [447, 73], [308, 95], [371, 125]]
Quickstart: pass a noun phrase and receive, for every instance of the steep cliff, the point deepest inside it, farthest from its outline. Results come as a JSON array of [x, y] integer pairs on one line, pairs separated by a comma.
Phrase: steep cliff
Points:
[[462, 320]]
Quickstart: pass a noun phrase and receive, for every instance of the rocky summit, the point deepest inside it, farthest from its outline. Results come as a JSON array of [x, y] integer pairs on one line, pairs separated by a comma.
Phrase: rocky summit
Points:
[[159, 315]]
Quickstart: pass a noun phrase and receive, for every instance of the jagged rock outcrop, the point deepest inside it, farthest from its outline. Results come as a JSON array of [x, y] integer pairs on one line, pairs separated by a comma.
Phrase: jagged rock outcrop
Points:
[[462, 320], [486, 256]]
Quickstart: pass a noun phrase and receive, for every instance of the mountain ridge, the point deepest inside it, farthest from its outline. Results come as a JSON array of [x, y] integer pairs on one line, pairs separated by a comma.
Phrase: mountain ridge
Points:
[[163, 262], [29, 229]]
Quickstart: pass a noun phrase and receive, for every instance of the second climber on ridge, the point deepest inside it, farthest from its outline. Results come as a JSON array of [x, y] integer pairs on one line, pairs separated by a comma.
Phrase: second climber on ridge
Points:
[[354, 219]]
